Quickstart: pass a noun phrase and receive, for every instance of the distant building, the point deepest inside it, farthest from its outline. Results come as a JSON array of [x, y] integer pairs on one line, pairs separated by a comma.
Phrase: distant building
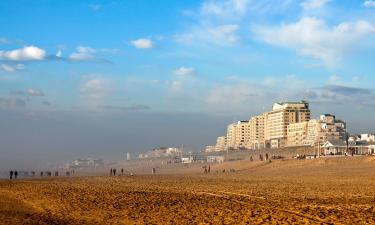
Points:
[[187, 160], [368, 137], [215, 159], [89, 162], [221, 143], [340, 147], [210, 148], [238, 134], [315, 131], [161, 152], [128, 156], [371, 149], [257, 130], [277, 121]]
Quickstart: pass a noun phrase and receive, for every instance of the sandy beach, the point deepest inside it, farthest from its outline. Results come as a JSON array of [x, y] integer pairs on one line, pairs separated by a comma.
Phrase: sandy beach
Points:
[[322, 191]]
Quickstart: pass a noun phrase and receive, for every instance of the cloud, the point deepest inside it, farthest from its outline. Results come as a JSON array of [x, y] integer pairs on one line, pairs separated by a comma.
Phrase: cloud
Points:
[[369, 4], [9, 68], [312, 37], [221, 35], [93, 90], [340, 95], [347, 91], [93, 86], [34, 92], [314, 4], [183, 78], [86, 53], [83, 53], [142, 43], [184, 71], [226, 8], [27, 53], [224, 33]]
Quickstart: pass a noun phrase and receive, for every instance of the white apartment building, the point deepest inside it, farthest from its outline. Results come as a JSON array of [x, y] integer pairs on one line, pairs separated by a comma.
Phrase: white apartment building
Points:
[[256, 126], [277, 121], [238, 135], [315, 131]]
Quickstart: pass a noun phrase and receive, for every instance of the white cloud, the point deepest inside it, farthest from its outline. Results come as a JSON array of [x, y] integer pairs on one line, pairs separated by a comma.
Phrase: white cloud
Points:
[[142, 43], [12, 68], [83, 53], [369, 4], [314, 38], [34, 92], [183, 77], [184, 71], [314, 4], [93, 90], [226, 8], [24, 54], [224, 33], [217, 35], [93, 86]]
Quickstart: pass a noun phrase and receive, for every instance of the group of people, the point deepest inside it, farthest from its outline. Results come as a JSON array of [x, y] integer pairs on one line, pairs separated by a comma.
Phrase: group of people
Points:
[[14, 174], [207, 169], [11, 173], [112, 171]]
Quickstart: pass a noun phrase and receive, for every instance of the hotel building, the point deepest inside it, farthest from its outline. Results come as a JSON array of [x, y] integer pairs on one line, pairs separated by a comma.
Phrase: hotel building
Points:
[[277, 121], [316, 131]]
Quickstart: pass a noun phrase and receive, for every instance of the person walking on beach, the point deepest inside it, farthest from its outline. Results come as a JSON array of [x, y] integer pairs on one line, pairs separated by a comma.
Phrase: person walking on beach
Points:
[[111, 171], [11, 174], [122, 171], [15, 174], [114, 172]]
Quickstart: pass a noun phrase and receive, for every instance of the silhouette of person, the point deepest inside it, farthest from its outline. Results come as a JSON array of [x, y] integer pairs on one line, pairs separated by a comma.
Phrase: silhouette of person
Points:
[[209, 169], [41, 174], [15, 174], [11, 174], [122, 171], [56, 173], [111, 171], [153, 170], [114, 172], [251, 158]]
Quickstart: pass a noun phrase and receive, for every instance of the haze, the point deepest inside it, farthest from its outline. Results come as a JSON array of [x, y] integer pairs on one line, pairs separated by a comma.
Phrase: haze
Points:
[[99, 79]]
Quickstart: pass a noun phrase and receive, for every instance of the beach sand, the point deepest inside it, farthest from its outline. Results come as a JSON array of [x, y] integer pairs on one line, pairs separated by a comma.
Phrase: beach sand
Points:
[[322, 191]]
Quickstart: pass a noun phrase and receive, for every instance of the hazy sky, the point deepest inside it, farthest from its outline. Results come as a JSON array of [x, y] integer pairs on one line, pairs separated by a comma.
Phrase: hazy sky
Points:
[[100, 78]]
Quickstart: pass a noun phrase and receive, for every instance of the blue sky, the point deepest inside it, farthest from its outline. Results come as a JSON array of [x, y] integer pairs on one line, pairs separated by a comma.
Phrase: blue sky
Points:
[[229, 58]]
